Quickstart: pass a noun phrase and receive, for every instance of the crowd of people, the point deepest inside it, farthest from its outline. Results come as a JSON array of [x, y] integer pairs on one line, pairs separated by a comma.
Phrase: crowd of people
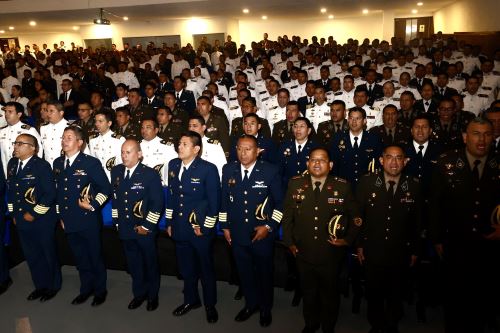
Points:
[[375, 163]]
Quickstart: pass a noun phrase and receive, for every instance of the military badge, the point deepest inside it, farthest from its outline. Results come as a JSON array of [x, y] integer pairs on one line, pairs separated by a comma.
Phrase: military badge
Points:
[[495, 216], [460, 163], [337, 226], [341, 145], [287, 152], [138, 210], [29, 196], [259, 212], [231, 182]]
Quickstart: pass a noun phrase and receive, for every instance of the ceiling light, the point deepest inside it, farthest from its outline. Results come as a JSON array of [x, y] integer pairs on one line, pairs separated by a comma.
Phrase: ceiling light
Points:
[[2, 31], [264, 17], [75, 27], [330, 17], [246, 11], [11, 28], [125, 18], [365, 11], [323, 10], [420, 3], [32, 23], [414, 11]]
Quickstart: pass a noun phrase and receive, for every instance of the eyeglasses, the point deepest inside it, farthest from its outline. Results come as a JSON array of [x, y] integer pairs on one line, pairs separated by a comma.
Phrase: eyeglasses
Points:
[[20, 143]]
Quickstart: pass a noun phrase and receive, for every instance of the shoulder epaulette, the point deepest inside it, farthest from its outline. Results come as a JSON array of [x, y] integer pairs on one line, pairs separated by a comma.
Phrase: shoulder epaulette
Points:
[[342, 180], [116, 136], [297, 177], [483, 95], [263, 92], [25, 126], [338, 93], [44, 124], [379, 99], [293, 87], [250, 88], [93, 136], [213, 141]]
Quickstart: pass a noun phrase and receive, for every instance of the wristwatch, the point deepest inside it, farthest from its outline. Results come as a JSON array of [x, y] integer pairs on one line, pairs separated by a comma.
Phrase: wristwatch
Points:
[[268, 227]]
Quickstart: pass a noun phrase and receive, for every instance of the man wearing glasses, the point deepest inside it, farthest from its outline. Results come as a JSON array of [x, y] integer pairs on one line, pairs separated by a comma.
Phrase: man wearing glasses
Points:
[[31, 195]]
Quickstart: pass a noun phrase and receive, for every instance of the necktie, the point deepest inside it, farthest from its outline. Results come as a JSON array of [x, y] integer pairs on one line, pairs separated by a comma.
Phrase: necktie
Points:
[[389, 136], [370, 89], [475, 171], [420, 82], [290, 126], [150, 101], [245, 177], [427, 104], [20, 167], [390, 191], [67, 164], [127, 177], [420, 152], [161, 129], [310, 100], [66, 96], [445, 127], [183, 176], [317, 190], [442, 92], [176, 95], [338, 127], [356, 146], [300, 149]]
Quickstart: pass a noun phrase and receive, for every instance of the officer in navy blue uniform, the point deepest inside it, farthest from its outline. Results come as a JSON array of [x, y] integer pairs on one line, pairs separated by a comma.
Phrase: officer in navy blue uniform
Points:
[[136, 209], [82, 189], [193, 200], [5, 279], [250, 214], [355, 152], [251, 126], [293, 155], [31, 202]]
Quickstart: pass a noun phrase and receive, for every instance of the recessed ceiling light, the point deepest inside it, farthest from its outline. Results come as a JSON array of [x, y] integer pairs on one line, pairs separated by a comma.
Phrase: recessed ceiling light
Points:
[[414, 11], [11, 28], [420, 3], [2, 31], [246, 11], [125, 18], [264, 17], [330, 17], [365, 11], [32, 23], [323, 10], [75, 27]]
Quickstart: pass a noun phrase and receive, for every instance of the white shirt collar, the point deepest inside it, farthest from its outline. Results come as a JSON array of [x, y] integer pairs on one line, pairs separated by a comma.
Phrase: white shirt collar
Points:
[[360, 137], [71, 159], [302, 145], [425, 144], [250, 169], [25, 162], [132, 169]]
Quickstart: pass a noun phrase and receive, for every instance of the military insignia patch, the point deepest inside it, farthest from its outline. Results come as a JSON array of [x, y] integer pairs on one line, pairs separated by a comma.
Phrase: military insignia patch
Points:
[[378, 182], [460, 163], [358, 222], [404, 186]]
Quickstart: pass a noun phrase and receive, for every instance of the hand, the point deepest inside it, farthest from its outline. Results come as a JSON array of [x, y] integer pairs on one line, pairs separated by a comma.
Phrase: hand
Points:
[[227, 235], [495, 235], [361, 255], [140, 230], [260, 233], [62, 224], [85, 203], [294, 250], [68, 103], [28, 217], [439, 250], [197, 231], [337, 242], [169, 231], [413, 260], [14, 221]]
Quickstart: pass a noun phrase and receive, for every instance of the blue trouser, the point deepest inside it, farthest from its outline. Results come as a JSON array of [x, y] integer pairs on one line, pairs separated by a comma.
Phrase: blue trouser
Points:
[[86, 248], [255, 269], [39, 249], [195, 260], [142, 262], [4, 263]]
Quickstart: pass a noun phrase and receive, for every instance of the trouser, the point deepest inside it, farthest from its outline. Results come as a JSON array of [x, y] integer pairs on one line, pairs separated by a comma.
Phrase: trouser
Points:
[[384, 286], [86, 248], [255, 269], [321, 291], [142, 262], [195, 260], [39, 249]]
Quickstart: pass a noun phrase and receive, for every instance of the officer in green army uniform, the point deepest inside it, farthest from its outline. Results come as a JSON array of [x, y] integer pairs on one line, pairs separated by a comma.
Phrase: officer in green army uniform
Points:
[[337, 123], [180, 116], [283, 129], [313, 203], [248, 105], [124, 127], [168, 130], [216, 125], [86, 121]]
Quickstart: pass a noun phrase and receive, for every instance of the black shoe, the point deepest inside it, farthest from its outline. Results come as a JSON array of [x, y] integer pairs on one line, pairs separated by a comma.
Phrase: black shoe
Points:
[[99, 299], [310, 329], [48, 295], [244, 314], [239, 294], [265, 318], [135, 303], [152, 305], [185, 308], [297, 296], [35, 294], [5, 285], [212, 315], [82, 298]]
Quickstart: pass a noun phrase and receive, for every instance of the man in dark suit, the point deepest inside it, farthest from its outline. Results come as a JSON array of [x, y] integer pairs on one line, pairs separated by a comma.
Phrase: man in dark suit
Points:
[[151, 99], [136, 210], [465, 229], [438, 64], [164, 85], [373, 90], [192, 206], [387, 246], [391, 131], [82, 189], [324, 79], [307, 102], [138, 111], [283, 129], [185, 98], [31, 198], [428, 104], [250, 214], [355, 152], [441, 90], [318, 197], [69, 99], [419, 79]]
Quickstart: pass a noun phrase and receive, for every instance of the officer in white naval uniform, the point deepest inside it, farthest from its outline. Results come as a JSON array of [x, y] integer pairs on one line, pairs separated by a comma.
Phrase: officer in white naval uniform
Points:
[[52, 132]]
